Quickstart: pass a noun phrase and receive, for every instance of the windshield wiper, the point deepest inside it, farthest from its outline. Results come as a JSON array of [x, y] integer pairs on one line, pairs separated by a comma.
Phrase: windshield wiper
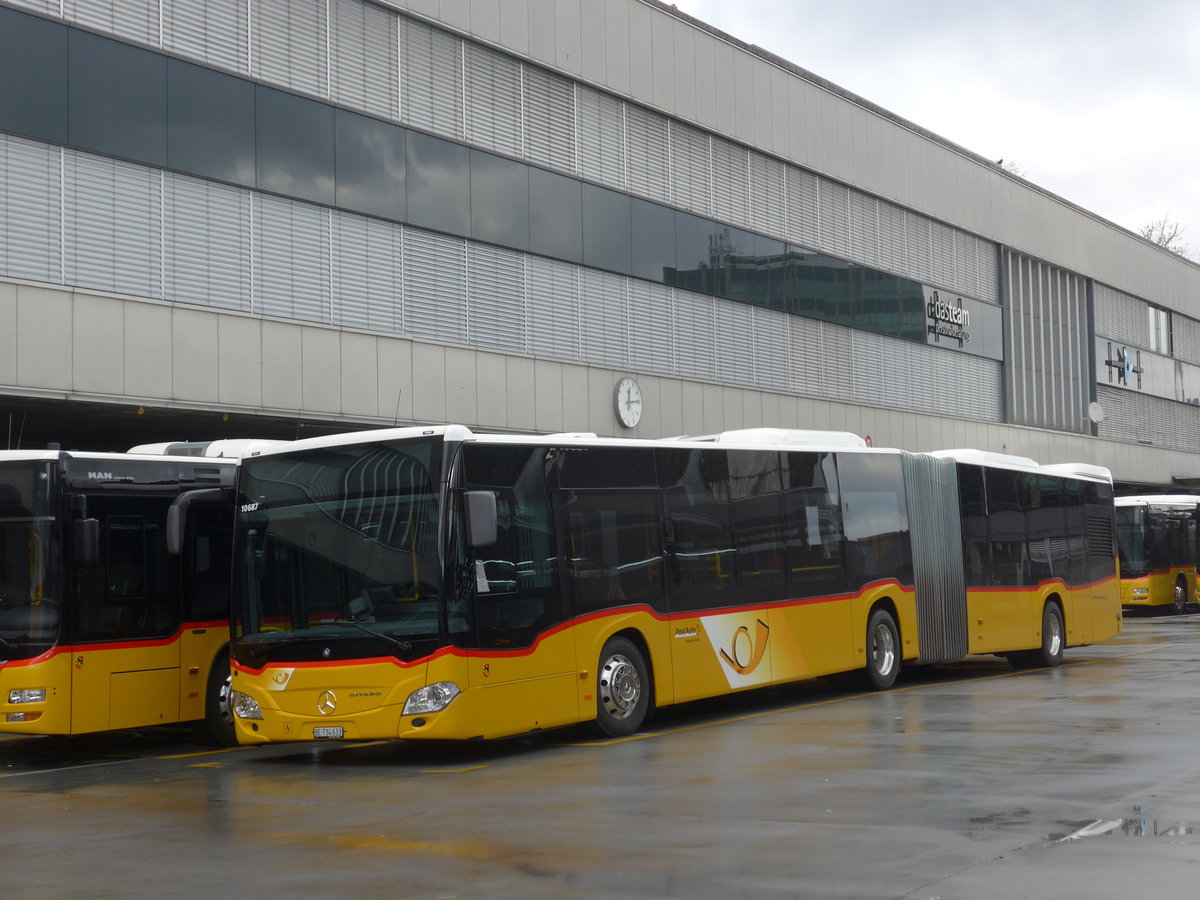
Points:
[[403, 645], [289, 641], [6, 643]]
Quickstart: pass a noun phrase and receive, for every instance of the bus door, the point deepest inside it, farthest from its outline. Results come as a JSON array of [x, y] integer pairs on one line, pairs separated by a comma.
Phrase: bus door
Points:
[[205, 560], [126, 619]]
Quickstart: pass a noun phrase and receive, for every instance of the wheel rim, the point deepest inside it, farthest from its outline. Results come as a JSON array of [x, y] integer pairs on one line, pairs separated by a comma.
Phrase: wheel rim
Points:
[[225, 701], [1054, 635], [883, 649], [620, 686], [1180, 597]]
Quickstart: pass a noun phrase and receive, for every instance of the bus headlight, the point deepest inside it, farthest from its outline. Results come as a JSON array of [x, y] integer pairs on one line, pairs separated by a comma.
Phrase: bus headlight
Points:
[[431, 698], [27, 695], [245, 707]]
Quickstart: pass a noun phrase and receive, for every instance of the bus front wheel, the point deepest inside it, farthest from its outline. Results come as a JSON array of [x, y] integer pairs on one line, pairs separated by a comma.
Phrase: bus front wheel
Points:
[[217, 725], [1181, 598], [883, 650], [622, 688]]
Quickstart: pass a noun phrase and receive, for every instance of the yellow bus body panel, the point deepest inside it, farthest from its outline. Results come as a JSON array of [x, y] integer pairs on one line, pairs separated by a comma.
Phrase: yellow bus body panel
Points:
[[105, 687], [1157, 588]]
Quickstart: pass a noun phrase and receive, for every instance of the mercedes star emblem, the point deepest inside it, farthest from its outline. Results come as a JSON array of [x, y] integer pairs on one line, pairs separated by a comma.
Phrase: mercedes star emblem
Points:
[[326, 703]]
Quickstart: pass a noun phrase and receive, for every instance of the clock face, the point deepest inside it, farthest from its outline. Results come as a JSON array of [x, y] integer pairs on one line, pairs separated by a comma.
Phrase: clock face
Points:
[[628, 399]]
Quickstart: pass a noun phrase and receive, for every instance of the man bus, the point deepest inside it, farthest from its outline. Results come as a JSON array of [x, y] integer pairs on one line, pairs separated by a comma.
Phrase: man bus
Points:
[[435, 583], [101, 627], [1156, 538]]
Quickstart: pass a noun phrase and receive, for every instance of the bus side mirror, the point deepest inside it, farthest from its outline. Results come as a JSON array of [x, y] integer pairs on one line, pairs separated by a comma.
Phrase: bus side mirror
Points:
[[85, 535], [177, 514], [481, 518]]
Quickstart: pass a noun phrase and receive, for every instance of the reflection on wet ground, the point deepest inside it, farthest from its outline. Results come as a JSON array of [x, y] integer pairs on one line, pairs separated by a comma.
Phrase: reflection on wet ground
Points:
[[1137, 825]]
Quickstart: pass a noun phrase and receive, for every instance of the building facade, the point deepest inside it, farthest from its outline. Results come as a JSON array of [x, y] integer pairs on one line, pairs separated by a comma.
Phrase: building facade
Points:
[[253, 213]]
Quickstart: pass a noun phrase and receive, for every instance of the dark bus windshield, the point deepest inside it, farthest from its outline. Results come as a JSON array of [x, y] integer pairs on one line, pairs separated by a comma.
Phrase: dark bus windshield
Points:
[[30, 607], [337, 548]]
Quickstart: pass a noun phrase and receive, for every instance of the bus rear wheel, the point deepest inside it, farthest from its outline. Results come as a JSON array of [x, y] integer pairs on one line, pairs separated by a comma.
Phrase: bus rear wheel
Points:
[[622, 688], [1181, 598], [1050, 654], [883, 650]]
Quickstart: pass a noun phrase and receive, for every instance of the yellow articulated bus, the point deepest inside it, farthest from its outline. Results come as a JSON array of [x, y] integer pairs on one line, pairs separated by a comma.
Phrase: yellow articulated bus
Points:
[[436, 583], [101, 627], [1156, 538]]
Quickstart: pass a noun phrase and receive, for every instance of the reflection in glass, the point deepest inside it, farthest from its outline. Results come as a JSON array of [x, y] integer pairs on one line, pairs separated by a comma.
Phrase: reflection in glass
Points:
[[295, 146], [118, 99], [499, 200], [370, 165], [439, 184], [33, 70], [653, 233], [210, 123], [606, 242], [555, 215]]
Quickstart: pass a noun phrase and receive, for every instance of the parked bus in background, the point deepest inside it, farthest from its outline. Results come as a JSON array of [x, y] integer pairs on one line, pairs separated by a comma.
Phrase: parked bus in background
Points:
[[436, 583], [1156, 538], [101, 627]]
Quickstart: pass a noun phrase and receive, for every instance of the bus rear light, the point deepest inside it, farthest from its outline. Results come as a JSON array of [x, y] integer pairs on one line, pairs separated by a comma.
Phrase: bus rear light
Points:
[[22, 717], [27, 695], [431, 698], [245, 707]]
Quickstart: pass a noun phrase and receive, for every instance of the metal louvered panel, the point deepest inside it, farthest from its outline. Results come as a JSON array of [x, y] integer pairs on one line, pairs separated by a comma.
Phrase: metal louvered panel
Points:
[[920, 266], [944, 255], [207, 243], [601, 137], [893, 255], [366, 273], [648, 148], [804, 345], [1185, 338], [30, 209], [834, 218], [770, 349], [604, 316], [113, 215], [691, 168], [734, 322], [290, 44], [731, 182], [871, 373], [1120, 316], [1130, 416], [803, 210], [863, 214], [768, 194], [554, 308], [291, 245], [364, 58], [939, 577], [550, 118], [496, 313], [137, 19], [431, 78], [214, 32], [50, 7], [651, 327], [695, 335], [435, 286], [493, 116], [834, 346]]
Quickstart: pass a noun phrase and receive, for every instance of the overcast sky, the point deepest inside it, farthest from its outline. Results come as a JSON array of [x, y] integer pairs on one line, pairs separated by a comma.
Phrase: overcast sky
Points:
[[1095, 100]]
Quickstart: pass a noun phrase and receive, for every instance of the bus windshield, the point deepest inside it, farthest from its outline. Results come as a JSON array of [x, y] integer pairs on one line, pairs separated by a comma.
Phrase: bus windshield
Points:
[[337, 553], [1131, 541], [30, 607]]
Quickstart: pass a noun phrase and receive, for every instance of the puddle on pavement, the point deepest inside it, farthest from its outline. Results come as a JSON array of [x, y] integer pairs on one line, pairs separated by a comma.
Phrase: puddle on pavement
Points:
[[1137, 825]]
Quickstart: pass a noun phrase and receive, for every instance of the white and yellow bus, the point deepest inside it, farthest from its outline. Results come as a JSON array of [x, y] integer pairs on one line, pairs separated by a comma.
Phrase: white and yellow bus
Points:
[[436, 583], [1156, 538], [101, 626]]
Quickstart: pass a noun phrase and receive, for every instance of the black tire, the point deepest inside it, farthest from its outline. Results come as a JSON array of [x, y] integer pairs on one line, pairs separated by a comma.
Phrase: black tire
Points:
[[217, 726], [1181, 597], [622, 688], [883, 650], [1054, 639]]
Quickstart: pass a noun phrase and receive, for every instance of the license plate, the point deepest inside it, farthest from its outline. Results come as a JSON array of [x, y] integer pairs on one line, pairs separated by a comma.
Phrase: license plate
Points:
[[329, 731]]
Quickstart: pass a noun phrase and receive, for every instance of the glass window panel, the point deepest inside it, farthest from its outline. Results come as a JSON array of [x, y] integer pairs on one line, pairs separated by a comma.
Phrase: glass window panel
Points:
[[499, 200], [813, 524], [737, 261], [696, 240], [118, 99], [613, 548], [875, 518], [210, 123], [439, 184], [555, 215], [606, 243], [653, 232], [370, 165], [295, 146], [33, 71]]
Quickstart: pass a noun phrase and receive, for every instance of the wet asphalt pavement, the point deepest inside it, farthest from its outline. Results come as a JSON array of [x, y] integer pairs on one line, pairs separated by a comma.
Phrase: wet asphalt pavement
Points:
[[973, 781]]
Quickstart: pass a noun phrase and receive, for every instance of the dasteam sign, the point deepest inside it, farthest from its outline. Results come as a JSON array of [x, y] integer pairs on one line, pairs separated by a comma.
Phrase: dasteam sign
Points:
[[961, 323]]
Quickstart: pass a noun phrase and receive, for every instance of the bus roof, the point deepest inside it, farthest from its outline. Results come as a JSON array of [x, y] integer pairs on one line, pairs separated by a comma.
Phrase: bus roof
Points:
[[1183, 501]]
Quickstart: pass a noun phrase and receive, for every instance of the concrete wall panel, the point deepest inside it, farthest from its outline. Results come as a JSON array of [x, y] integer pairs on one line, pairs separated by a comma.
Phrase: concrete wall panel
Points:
[[281, 366], [97, 335], [240, 371], [194, 358], [44, 338], [148, 350], [8, 334], [359, 380]]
